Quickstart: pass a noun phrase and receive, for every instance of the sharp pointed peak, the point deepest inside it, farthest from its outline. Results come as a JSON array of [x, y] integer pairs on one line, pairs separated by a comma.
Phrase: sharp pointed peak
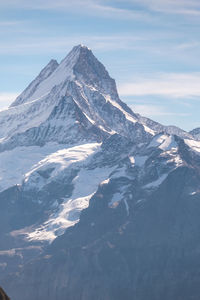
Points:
[[81, 46], [78, 50], [49, 68], [52, 61]]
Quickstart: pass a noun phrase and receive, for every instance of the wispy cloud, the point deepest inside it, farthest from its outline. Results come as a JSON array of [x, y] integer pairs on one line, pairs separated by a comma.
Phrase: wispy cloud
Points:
[[6, 99], [175, 85], [112, 10], [39, 45], [9, 23], [149, 110], [182, 7], [84, 6], [123, 13]]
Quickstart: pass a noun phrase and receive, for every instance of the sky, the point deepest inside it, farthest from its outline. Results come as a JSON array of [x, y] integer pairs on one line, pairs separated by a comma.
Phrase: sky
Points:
[[150, 47]]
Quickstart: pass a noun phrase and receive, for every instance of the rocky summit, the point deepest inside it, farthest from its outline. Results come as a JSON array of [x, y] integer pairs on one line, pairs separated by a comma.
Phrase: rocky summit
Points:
[[96, 201]]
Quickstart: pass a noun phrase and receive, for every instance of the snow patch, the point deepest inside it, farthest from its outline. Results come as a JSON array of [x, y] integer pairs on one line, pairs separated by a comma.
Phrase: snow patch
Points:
[[58, 162], [128, 116], [157, 140], [194, 145], [169, 144], [164, 142], [132, 160], [17, 162], [61, 74], [193, 193], [85, 185]]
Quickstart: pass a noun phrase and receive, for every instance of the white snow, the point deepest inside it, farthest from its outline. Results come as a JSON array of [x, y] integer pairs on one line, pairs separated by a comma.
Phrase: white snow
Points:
[[62, 73], [28, 115], [194, 145], [22, 162], [193, 193], [157, 140], [132, 160], [114, 103], [85, 185], [168, 144], [59, 161], [44, 94], [149, 130], [163, 142], [175, 159], [15, 163], [105, 181]]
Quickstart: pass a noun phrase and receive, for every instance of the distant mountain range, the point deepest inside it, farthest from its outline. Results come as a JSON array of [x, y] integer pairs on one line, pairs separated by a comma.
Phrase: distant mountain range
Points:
[[96, 201]]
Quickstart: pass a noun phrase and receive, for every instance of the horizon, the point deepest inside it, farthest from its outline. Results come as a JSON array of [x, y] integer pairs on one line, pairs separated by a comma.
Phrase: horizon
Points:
[[150, 48]]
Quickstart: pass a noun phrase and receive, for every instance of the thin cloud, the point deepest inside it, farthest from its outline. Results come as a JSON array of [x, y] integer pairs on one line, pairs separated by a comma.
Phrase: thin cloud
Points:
[[9, 23], [123, 13], [6, 99], [167, 85], [154, 111], [64, 43], [181, 7], [84, 6], [189, 45]]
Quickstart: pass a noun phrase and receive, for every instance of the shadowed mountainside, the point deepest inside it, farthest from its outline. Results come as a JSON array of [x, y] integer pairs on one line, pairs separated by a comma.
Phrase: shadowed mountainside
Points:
[[3, 295]]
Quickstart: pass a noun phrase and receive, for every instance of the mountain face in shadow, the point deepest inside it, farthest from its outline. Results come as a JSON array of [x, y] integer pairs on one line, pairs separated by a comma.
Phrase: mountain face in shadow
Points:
[[3, 295]]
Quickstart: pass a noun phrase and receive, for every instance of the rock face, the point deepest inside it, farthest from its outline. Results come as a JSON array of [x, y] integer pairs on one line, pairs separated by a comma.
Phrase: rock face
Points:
[[3, 295], [99, 202]]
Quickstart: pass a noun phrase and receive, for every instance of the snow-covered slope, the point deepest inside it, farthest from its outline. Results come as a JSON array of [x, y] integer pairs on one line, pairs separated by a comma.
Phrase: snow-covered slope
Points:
[[36, 84]]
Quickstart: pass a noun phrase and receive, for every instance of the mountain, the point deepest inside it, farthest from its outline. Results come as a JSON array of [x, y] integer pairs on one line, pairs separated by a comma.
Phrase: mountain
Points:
[[96, 202], [195, 133]]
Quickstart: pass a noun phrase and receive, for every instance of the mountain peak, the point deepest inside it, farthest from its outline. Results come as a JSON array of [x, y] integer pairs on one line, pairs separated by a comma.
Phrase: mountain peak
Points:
[[79, 65], [81, 46], [50, 67], [43, 75], [72, 57]]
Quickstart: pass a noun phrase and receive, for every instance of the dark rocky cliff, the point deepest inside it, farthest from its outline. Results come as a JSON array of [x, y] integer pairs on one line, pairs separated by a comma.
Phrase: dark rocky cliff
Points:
[[3, 295]]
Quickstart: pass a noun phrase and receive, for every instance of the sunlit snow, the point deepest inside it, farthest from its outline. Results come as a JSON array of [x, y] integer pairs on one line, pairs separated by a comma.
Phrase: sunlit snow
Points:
[[85, 185]]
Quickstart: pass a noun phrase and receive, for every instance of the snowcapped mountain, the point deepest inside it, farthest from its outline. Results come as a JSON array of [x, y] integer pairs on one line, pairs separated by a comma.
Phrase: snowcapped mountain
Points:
[[70, 102], [96, 202]]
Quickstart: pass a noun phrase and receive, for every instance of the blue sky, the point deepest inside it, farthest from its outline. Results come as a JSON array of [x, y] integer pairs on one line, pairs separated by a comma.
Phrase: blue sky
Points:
[[151, 48]]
